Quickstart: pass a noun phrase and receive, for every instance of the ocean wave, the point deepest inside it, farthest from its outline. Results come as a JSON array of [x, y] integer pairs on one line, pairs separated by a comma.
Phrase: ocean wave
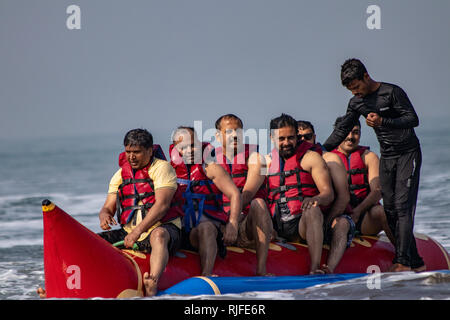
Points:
[[22, 225], [21, 242], [11, 275], [19, 286], [74, 204]]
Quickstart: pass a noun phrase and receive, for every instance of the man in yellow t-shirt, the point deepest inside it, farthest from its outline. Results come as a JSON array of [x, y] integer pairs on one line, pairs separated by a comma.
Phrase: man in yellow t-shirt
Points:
[[153, 221]]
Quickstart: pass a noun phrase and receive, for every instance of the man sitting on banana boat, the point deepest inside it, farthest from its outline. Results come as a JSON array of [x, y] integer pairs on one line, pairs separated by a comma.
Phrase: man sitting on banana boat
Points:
[[339, 227], [299, 188], [243, 163], [207, 227]]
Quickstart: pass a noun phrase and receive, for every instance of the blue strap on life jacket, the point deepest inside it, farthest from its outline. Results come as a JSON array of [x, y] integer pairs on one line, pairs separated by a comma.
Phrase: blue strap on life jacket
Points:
[[189, 208]]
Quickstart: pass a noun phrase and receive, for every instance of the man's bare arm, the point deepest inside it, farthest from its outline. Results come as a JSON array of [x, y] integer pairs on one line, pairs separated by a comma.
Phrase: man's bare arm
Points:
[[163, 199], [254, 179], [373, 164], [107, 212], [314, 163], [225, 184]]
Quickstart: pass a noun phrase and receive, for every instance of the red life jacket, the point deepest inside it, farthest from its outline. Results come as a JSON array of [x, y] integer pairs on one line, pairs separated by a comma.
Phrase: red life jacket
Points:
[[357, 174], [199, 193], [138, 186], [315, 147], [289, 184], [238, 171]]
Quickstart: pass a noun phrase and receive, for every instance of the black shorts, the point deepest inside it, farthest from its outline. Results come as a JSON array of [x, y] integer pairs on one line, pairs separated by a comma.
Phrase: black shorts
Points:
[[117, 235], [221, 248], [358, 225], [327, 232], [288, 229]]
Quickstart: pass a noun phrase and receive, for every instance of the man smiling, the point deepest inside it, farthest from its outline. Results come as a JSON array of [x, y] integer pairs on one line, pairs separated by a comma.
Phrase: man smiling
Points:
[[299, 185]]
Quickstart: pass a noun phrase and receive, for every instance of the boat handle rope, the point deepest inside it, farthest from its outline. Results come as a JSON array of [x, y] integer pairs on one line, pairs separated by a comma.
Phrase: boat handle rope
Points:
[[121, 243]]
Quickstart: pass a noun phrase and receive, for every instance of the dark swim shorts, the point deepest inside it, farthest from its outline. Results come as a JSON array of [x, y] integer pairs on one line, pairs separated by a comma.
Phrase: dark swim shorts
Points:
[[327, 231], [117, 235]]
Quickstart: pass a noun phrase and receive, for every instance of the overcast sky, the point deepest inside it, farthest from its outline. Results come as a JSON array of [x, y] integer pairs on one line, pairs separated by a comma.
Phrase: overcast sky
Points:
[[163, 63]]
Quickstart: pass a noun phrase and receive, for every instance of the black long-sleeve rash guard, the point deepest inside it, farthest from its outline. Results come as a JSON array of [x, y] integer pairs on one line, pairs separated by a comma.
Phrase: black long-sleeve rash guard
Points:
[[396, 134]]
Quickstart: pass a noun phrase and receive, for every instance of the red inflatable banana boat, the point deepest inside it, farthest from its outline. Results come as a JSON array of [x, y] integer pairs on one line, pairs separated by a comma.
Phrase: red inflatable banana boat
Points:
[[80, 264]]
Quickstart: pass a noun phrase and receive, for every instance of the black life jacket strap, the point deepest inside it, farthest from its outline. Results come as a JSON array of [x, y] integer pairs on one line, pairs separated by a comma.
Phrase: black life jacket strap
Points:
[[285, 199], [357, 171], [138, 197], [287, 173], [134, 181]]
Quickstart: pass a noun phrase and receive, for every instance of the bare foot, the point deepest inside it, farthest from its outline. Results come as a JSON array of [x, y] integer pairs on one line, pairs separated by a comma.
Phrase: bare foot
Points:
[[151, 285], [317, 271], [42, 293], [398, 267], [420, 269], [265, 274], [326, 269], [209, 275]]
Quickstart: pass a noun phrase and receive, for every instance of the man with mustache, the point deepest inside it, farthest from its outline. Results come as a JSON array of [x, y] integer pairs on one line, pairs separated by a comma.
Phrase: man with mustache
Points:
[[145, 194], [389, 111], [363, 175], [299, 186], [243, 163], [207, 227]]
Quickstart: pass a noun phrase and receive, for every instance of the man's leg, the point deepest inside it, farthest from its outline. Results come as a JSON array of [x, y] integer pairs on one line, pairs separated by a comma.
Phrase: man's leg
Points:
[[310, 228], [340, 228], [259, 228], [388, 183], [203, 237], [407, 186], [375, 221], [388, 168], [159, 241]]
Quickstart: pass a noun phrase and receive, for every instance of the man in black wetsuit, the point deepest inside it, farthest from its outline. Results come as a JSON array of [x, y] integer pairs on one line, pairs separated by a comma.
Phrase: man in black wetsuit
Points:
[[388, 110]]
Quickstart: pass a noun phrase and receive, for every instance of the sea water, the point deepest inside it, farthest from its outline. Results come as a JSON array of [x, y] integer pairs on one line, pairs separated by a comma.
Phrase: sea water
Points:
[[74, 172]]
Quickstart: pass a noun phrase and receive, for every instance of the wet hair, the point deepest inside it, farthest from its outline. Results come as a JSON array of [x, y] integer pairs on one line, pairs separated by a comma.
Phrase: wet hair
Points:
[[352, 69], [182, 129], [138, 137], [282, 121], [304, 124], [340, 119], [229, 116]]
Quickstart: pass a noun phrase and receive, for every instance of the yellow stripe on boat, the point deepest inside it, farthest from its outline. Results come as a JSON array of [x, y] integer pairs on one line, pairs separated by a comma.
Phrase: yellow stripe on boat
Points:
[[212, 284]]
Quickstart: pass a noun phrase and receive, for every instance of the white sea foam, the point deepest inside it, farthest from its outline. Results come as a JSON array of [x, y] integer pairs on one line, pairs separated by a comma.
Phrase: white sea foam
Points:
[[23, 225], [11, 275], [11, 243], [73, 204]]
